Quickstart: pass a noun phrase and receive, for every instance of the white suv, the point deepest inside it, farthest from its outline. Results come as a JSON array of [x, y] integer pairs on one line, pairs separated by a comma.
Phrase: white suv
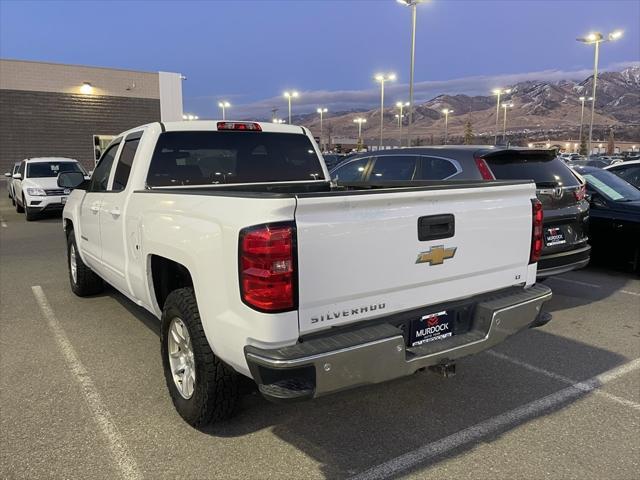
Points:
[[36, 185]]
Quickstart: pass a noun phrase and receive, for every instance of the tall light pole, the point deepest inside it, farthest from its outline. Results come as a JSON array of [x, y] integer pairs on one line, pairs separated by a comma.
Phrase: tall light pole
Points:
[[360, 121], [498, 92], [321, 111], [446, 112], [582, 100], [504, 128], [596, 38], [382, 78], [289, 96], [223, 105], [412, 4], [401, 105]]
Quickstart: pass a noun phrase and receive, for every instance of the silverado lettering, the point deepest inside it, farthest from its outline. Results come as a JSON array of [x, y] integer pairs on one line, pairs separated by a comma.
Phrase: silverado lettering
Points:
[[347, 313]]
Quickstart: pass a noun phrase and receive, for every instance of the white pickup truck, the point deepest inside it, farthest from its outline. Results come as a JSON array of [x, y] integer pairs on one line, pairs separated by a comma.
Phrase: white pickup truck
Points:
[[232, 234]]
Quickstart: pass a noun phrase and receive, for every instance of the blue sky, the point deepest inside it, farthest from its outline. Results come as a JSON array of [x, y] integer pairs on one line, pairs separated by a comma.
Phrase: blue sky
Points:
[[249, 52]]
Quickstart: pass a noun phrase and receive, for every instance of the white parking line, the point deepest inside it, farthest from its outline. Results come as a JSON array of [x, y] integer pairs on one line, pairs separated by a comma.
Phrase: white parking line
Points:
[[562, 378], [495, 424], [3, 223], [119, 450], [576, 282], [630, 293]]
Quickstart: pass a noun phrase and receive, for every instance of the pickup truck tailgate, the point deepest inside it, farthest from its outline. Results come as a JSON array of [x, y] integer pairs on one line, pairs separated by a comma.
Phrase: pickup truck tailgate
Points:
[[360, 255]]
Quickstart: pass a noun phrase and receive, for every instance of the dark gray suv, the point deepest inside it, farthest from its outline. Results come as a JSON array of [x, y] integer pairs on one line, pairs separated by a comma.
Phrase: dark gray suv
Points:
[[566, 212]]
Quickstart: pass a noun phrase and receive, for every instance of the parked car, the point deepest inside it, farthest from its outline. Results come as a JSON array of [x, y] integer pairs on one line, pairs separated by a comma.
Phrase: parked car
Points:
[[629, 171], [570, 157], [35, 185], [417, 163], [566, 211], [614, 224], [233, 236], [588, 163], [562, 196], [10, 180]]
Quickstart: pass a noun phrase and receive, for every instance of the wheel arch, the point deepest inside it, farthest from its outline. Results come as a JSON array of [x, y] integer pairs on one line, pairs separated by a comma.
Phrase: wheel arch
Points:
[[167, 275]]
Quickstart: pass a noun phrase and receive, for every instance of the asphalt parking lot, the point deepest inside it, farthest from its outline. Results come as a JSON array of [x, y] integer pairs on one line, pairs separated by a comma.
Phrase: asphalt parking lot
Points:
[[82, 393]]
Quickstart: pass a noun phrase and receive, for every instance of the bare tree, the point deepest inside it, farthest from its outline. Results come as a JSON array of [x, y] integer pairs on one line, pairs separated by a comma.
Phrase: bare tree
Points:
[[611, 143]]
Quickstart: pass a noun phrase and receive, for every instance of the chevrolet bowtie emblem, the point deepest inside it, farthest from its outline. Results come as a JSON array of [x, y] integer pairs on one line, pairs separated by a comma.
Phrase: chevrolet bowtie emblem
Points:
[[436, 255]]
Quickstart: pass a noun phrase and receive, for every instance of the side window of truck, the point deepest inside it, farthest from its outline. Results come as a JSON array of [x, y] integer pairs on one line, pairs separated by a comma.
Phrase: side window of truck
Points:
[[100, 177], [123, 167]]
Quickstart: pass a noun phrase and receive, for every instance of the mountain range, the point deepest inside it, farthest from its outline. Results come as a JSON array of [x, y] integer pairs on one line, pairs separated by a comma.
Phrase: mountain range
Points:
[[540, 110]]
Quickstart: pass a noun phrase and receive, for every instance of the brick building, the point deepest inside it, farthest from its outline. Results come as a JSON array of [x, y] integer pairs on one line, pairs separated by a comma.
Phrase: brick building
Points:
[[73, 111]]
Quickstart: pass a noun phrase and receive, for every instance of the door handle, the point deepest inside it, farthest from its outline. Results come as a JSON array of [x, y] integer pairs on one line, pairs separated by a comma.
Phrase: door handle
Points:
[[95, 208], [436, 227], [115, 212]]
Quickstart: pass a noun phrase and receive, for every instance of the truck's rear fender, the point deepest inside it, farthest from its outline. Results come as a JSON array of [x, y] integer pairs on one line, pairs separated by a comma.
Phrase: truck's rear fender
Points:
[[196, 237]]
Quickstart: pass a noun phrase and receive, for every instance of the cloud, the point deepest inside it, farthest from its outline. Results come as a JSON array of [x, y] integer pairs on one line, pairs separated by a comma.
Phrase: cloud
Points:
[[341, 100]]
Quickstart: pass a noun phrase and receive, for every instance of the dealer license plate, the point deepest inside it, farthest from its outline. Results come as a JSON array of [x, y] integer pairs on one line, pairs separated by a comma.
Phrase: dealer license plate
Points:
[[554, 236], [431, 328]]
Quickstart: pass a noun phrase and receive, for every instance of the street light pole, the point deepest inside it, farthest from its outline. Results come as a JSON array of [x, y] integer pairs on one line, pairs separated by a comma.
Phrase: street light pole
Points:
[[360, 121], [582, 100], [223, 105], [446, 112], [289, 96], [383, 78], [596, 38], [321, 111], [504, 128], [498, 92], [413, 4], [401, 105]]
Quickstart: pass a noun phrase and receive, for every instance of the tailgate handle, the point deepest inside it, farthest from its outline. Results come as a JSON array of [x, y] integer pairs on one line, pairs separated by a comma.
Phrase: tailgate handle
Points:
[[435, 227]]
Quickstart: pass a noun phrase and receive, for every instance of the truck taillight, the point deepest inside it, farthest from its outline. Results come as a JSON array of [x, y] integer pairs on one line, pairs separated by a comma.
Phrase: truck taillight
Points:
[[536, 231], [484, 169], [267, 266], [580, 193], [242, 126]]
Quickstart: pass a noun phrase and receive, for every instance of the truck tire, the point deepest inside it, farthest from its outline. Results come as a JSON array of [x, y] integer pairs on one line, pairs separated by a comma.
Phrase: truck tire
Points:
[[19, 208], [83, 280], [30, 214], [203, 389]]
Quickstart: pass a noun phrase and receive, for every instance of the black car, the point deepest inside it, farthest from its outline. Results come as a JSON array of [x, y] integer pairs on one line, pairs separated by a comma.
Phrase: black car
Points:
[[614, 224], [628, 171], [562, 194]]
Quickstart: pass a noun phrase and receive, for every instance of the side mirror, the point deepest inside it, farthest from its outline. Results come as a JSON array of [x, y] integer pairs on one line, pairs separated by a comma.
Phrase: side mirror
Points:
[[17, 176], [71, 180], [8, 175]]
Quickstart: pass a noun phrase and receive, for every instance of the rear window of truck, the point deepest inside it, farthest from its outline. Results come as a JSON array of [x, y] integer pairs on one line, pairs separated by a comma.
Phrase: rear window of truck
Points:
[[209, 157], [543, 171]]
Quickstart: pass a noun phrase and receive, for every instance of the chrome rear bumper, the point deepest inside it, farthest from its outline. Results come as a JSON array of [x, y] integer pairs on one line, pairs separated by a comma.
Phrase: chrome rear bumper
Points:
[[379, 353]]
